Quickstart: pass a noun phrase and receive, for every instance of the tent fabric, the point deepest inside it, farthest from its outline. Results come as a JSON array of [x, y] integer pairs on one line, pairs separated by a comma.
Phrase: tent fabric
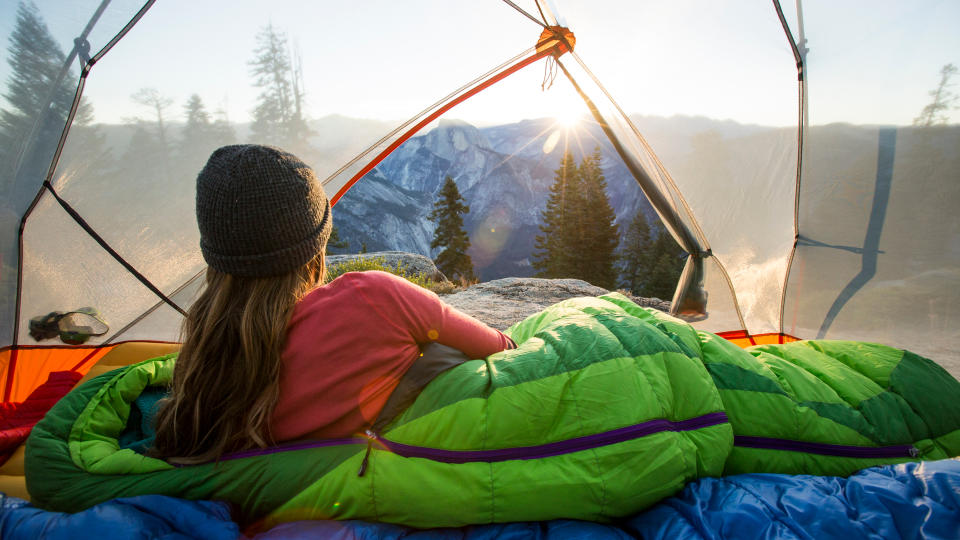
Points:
[[875, 216], [898, 175], [43, 361], [910, 500], [597, 387]]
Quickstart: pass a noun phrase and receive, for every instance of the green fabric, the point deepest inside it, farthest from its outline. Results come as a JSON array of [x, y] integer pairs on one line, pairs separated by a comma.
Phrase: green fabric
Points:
[[833, 392], [928, 390], [582, 367]]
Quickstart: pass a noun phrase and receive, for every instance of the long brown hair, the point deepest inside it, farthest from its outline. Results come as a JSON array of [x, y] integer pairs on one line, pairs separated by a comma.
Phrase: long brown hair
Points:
[[227, 378]]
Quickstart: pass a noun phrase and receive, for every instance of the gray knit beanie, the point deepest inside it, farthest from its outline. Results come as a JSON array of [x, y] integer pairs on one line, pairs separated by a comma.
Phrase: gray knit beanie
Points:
[[261, 211]]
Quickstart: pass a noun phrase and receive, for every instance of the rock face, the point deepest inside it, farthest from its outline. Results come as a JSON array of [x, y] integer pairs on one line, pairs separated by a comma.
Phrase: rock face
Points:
[[503, 302]]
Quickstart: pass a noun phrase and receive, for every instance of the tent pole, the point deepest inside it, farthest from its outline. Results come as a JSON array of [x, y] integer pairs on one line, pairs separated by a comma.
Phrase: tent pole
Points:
[[800, 55], [429, 115], [527, 15]]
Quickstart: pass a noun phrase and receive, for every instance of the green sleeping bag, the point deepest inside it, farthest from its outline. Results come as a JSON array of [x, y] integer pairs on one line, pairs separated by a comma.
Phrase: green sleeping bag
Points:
[[602, 410]]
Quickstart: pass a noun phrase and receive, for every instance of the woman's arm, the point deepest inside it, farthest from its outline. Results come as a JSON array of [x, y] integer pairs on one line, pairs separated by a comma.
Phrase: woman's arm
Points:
[[467, 334], [429, 319]]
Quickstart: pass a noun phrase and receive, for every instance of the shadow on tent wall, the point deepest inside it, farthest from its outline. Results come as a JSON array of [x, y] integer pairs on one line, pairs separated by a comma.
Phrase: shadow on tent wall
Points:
[[887, 146]]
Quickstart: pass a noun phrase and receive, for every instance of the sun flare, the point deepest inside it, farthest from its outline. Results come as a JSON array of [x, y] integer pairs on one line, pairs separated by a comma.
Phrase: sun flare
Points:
[[568, 117], [566, 106]]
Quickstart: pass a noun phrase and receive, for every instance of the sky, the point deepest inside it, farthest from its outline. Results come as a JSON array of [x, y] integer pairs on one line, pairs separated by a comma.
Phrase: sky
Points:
[[869, 62]]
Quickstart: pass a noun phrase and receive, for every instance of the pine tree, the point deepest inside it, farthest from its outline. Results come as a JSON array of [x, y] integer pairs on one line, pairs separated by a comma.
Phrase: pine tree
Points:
[[197, 137], [580, 235], [668, 261], [222, 131], [662, 281], [34, 97], [145, 160], [651, 261], [270, 68], [635, 257], [557, 248], [335, 242], [197, 126], [447, 213], [599, 233], [278, 117]]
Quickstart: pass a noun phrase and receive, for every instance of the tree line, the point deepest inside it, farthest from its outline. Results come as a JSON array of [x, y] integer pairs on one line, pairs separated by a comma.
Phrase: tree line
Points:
[[163, 146], [580, 238], [33, 91]]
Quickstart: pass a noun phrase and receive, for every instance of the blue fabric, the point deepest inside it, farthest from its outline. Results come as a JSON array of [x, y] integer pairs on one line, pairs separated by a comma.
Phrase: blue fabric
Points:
[[147, 516], [139, 433], [912, 500]]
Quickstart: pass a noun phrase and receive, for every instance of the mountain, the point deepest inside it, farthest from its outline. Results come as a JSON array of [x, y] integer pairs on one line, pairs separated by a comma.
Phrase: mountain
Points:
[[384, 217], [504, 173]]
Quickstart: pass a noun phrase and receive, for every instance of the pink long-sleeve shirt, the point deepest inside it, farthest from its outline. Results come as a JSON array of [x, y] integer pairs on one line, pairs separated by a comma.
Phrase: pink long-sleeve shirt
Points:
[[350, 341]]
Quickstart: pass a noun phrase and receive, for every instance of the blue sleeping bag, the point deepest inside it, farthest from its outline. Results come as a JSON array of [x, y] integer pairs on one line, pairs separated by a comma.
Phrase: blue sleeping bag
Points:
[[910, 500], [146, 516]]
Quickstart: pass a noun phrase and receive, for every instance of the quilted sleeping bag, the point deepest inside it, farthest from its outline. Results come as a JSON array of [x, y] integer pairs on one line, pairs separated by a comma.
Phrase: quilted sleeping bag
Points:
[[603, 409]]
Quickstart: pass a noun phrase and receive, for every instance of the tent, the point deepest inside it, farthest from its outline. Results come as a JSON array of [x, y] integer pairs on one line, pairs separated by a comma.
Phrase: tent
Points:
[[838, 223]]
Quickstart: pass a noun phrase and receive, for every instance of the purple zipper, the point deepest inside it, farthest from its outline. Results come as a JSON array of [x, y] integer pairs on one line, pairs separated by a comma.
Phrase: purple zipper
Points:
[[301, 445], [557, 448], [838, 450], [524, 452]]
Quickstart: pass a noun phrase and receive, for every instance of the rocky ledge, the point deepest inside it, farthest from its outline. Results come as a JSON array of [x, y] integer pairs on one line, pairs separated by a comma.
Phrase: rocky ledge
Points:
[[501, 302]]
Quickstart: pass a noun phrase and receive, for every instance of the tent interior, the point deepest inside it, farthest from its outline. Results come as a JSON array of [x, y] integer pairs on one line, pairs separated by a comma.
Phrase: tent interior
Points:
[[786, 147]]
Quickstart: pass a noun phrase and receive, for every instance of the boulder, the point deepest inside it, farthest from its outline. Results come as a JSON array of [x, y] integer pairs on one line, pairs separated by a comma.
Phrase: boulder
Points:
[[503, 302]]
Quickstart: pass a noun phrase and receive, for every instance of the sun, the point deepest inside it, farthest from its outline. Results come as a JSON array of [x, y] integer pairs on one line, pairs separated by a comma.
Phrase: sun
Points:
[[566, 107], [568, 116]]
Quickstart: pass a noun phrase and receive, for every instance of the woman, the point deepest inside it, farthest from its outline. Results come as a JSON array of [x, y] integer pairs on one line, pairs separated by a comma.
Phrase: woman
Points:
[[270, 353]]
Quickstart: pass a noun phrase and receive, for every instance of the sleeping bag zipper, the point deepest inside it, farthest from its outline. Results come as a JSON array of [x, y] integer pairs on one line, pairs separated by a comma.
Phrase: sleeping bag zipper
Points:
[[557, 448], [371, 436], [568, 446], [836, 450]]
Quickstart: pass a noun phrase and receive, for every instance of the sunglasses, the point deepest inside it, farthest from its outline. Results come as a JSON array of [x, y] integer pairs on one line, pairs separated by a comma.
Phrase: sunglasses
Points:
[[73, 327]]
